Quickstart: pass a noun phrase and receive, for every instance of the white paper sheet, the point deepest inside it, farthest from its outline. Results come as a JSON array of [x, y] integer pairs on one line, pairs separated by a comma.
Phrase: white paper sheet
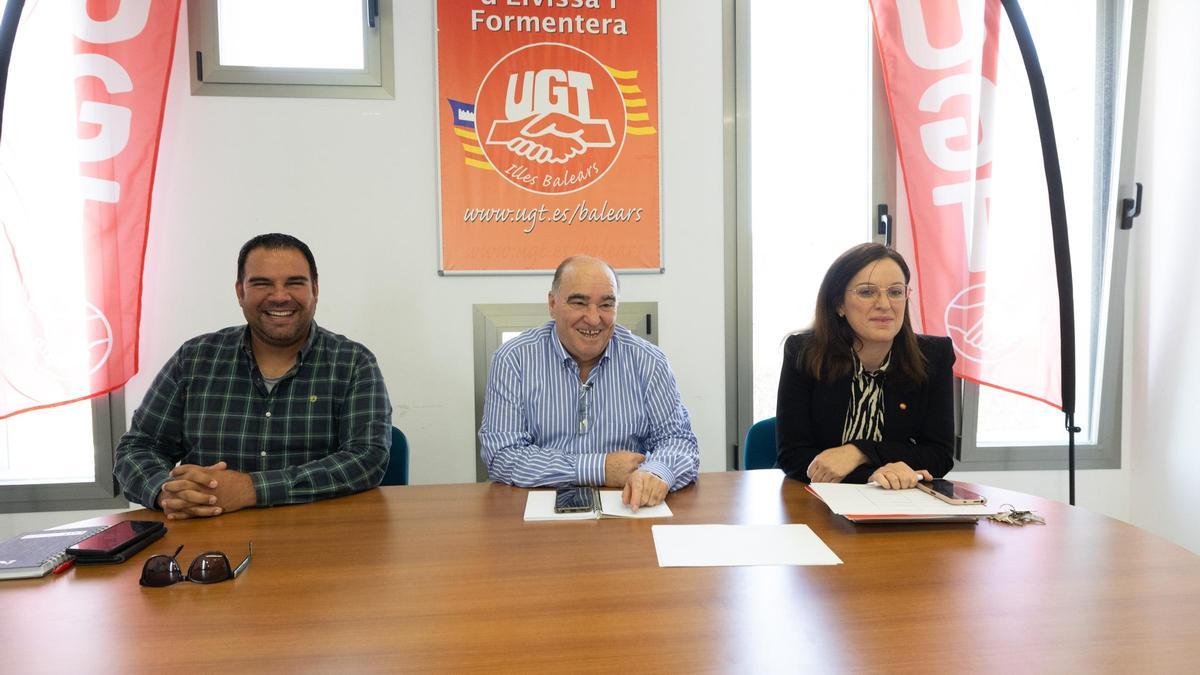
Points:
[[737, 545], [870, 500], [540, 506]]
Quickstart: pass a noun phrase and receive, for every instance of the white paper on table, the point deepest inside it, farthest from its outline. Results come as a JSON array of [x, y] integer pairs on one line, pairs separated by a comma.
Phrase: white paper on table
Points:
[[540, 506], [736, 545], [872, 500]]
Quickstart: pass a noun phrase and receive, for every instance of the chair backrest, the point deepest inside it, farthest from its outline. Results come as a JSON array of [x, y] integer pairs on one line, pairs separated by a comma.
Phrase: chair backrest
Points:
[[397, 471], [759, 448]]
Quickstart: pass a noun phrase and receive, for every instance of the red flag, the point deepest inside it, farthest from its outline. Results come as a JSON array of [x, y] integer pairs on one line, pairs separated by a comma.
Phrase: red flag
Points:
[[984, 269], [83, 112]]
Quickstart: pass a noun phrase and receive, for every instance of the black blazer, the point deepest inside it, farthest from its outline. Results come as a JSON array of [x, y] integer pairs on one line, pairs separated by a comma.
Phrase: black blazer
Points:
[[918, 420]]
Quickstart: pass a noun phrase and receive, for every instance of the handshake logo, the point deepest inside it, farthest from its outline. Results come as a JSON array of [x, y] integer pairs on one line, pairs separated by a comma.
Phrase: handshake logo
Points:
[[551, 118], [553, 136]]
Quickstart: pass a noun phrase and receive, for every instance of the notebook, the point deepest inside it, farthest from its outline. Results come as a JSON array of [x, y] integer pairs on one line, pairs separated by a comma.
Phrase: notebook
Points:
[[34, 554], [540, 506]]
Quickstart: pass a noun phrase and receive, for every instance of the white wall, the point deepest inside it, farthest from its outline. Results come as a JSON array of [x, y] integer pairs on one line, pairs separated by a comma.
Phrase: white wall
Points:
[[1166, 364], [356, 181]]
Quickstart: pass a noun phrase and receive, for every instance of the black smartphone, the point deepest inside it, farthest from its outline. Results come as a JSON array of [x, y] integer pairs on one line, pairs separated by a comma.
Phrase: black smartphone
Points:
[[119, 537], [950, 492], [575, 500]]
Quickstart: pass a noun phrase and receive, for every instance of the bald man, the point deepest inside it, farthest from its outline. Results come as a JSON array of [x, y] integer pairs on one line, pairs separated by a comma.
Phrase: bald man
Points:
[[583, 401]]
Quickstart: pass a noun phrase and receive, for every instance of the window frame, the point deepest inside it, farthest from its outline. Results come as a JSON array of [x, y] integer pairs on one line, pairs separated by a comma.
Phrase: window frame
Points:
[[108, 425], [209, 78], [1125, 29]]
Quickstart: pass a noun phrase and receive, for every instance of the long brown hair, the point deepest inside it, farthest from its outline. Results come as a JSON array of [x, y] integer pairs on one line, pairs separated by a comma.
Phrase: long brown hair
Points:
[[829, 353]]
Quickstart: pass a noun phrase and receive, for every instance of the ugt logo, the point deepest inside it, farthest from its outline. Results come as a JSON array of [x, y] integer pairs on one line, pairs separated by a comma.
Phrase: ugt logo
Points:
[[967, 327], [546, 114], [54, 347]]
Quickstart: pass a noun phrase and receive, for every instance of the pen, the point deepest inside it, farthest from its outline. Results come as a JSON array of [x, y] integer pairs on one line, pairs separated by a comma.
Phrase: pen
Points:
[[66, 565], [920, 477]]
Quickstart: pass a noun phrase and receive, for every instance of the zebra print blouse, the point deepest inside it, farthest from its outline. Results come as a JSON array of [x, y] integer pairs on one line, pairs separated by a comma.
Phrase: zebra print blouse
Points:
[[864, 415]]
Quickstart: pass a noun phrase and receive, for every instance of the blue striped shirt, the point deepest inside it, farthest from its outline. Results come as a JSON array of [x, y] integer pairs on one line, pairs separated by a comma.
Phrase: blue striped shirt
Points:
[[543, 427]]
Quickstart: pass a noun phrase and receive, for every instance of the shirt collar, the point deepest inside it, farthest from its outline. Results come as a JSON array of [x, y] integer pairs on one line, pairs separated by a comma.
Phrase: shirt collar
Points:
[[304, 351], [312, 340], [859, 371]]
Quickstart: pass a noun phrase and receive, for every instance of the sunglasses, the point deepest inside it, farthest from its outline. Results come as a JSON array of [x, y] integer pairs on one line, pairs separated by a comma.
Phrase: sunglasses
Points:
[[207, 568]]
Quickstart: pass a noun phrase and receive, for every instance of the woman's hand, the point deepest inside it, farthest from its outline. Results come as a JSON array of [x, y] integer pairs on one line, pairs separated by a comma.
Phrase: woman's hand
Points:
[[897, 476], [834, 464]]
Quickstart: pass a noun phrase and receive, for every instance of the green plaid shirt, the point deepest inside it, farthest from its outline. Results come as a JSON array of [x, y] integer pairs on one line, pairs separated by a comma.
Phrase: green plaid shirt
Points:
[[323, 431]]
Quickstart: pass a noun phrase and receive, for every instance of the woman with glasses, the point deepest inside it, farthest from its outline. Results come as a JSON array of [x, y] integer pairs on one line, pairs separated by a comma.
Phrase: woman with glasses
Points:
[[861, 396]]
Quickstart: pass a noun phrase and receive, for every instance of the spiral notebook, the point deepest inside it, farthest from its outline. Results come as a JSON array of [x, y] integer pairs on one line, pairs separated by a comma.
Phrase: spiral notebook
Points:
[[34, 554]]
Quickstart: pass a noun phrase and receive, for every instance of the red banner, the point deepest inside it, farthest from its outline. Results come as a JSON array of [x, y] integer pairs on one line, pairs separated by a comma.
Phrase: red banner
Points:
[[548, 125], [984, 274], [83, 112]]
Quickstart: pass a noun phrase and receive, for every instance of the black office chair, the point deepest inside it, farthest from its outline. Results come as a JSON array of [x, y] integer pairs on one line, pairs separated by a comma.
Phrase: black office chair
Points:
[[397, 471], [759, 449]]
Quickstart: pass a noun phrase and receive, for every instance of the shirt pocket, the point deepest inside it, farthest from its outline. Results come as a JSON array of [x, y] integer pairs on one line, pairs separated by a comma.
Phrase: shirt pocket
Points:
[[311, 410]]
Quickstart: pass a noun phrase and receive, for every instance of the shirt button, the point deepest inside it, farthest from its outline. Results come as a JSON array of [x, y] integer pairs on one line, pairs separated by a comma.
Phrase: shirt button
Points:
[[268, 413], [263, 453]]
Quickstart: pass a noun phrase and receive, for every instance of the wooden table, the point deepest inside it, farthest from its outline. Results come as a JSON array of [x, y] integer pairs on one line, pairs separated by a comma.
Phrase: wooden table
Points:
[[450, 578]]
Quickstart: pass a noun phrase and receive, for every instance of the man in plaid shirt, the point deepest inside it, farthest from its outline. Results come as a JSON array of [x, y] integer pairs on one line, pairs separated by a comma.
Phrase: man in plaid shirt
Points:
[[279, 411]]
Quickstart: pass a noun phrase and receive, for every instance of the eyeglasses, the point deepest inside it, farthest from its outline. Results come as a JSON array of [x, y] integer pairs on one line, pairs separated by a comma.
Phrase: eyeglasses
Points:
[[207, 568], [870, 292], [584, 406]]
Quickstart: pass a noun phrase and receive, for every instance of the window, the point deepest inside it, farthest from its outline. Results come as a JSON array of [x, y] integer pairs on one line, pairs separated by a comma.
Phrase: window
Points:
[[818, 156], [299, 48], [57, 458], [1084, 70], [61, 458], [810, 166]]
